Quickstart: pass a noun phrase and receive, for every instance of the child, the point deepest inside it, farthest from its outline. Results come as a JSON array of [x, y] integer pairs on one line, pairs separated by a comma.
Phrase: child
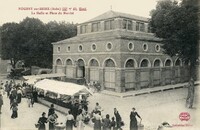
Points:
[[113, 124]]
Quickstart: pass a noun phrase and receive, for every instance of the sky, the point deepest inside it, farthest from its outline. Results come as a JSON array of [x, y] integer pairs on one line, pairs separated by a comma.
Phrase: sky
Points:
[[81, 10]]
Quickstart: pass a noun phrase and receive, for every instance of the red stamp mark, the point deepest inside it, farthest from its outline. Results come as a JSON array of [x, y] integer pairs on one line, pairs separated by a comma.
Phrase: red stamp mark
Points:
[[184, 116]]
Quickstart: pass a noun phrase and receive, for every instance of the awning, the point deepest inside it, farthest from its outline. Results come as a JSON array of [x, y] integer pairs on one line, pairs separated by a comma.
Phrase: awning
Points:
[[53, 75], [64, 88], [32, 79]]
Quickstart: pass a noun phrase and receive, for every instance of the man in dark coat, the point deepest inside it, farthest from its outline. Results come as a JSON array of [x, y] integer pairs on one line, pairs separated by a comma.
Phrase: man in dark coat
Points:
[[51, 110], [118, 119], [191, 91]]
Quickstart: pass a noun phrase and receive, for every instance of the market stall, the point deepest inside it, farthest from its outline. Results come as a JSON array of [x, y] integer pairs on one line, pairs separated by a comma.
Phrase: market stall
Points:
[[62, 93]]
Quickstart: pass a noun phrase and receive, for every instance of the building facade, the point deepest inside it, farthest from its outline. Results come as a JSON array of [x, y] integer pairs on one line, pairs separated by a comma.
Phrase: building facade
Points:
[[118, 51]]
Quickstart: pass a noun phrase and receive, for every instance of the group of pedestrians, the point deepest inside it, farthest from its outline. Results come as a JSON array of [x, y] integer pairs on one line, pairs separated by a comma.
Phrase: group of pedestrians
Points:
[[115, 123], [51, 119], [14, 93], [95, 86]]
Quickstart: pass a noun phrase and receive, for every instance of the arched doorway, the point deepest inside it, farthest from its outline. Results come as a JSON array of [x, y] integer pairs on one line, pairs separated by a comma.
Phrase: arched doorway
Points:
[[59, 66], [157, 72], [109, 74], [80, 68], [144, 74], [177, 64], [94, 71], [168, 72], [69, 68], [130, 82]]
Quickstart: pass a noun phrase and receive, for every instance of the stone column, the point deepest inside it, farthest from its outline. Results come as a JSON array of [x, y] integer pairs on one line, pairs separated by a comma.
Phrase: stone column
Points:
[[182, 74], [54, 69], [64, 69], [87, 74], [118, 23], [120, 80], [173, 77], [101, 78], [74, 71], [102, 26], [162, 74], [78, 29], [146, 27], [137, 79], [151, 77], [134, 25], [89, 28]]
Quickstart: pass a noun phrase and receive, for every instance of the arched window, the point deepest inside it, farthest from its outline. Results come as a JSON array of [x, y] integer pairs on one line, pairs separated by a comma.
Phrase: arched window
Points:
[[109, 63], [80, 48], [186, 63], [58, 62], [144, 63], [93, 47], [130, 63], [109, 46], [157, 48], [94, 62], [81, 62], [145, 47], [130, 46], [156, 63], [69, 62], [168, 63], [178, 62]]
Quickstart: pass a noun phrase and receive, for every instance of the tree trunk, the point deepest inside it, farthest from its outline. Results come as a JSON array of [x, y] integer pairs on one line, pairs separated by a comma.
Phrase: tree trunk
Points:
[[193, 72]]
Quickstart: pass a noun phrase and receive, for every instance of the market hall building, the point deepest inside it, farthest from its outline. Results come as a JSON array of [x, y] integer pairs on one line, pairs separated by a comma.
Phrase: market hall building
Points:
[[118, 51]]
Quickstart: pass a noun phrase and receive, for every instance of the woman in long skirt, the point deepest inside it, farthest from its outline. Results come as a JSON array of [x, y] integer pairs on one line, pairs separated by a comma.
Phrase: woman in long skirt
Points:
[[107, 123], [52, 119], [42, 120], [14, 109], [69, 121], [97, 121], [79, 120], [133, 120], [19, 95]]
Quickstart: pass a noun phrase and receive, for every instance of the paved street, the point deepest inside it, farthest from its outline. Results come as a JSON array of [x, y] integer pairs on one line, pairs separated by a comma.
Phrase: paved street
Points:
[[154, 109]]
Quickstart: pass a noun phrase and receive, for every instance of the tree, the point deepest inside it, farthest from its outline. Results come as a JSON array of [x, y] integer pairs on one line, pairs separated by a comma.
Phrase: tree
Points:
[[10, 43], [177, 25], [56, 32], [31, 39]]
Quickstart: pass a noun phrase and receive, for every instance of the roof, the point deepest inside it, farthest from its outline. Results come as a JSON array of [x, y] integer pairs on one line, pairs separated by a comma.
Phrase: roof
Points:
[[114, 14], [109, 35], [32, 79], [64, 88]]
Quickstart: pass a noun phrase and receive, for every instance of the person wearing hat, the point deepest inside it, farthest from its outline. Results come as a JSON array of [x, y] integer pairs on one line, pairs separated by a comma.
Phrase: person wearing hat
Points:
[[1, 101], [51, 110], [118, 118], [133, 119], [42, 120]]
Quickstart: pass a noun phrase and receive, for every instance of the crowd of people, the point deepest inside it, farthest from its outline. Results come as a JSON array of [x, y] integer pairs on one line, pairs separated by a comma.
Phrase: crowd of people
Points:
[[78, 115], [79, 119], [14, 92]]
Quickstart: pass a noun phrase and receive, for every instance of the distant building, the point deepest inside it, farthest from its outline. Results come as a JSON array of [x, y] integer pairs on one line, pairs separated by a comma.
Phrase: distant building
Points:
[[4, 65], [118, 51]]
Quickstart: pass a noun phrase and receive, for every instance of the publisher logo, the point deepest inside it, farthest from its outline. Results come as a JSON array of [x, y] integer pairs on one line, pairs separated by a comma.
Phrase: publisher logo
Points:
[[184, 116]]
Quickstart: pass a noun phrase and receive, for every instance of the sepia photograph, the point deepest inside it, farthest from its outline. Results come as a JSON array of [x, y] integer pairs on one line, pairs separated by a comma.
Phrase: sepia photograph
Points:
[[99, 65]]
